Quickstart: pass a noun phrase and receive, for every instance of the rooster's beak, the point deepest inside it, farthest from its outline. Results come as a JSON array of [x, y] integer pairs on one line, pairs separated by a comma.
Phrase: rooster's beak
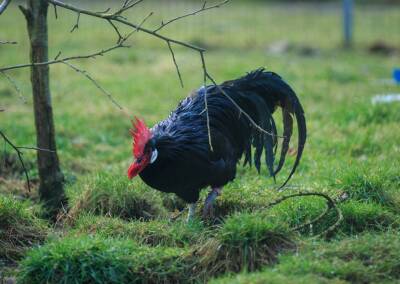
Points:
[[136, 167]]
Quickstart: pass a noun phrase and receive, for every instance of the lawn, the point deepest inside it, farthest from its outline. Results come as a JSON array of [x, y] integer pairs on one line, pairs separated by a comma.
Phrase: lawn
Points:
[[118, 230]]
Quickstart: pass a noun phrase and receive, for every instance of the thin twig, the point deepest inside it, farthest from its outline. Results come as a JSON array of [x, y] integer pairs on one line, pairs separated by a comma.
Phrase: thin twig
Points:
[[15, 85], [120, 37], [258, 127], [117, 18], [205, 101], [76, 26], [19, 153], [176, 64], [55, 11], [127, 5], [144, 20], [7, 42], [3, 5], [62, 60], [84, 73], [35, 148], [330, 204], [202, 9]]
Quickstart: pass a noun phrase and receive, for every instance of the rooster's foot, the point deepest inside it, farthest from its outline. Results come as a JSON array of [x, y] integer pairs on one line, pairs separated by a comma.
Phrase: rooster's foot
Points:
[[208, 210], [192, 211]]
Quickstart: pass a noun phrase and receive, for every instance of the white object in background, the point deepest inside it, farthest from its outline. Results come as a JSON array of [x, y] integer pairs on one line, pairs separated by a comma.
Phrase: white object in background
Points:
[[386, 98]]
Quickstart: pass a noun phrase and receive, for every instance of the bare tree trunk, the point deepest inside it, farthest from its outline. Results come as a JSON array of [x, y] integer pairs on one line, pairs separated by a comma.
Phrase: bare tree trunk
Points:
[[51, 190]]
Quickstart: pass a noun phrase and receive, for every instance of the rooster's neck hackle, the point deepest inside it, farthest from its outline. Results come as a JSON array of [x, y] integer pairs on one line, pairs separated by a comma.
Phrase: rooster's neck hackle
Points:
[[141, 135]]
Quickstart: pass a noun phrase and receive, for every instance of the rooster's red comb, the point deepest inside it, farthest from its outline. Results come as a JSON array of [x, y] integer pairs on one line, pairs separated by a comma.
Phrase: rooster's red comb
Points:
[[141, 135]]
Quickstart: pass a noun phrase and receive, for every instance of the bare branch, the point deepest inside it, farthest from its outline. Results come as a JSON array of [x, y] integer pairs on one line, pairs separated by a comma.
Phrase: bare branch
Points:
[[84, 73], [144, 20], [76, 26], [258, 127], [127, 5], [15, 85], [62, 60], [330, 204], [205, 100], [3, 5], [55, 11], [202, 9], [116, 30], [117, 18], [19, 153], [176, 64]]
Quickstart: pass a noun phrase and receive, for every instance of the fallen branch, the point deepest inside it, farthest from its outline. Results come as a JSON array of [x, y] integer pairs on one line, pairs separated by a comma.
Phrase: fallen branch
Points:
[[331, 204]]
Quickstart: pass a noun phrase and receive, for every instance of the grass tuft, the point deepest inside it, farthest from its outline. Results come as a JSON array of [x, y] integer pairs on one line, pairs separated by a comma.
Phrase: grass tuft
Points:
[[115, 196], [98, 260], [245, 241], [370, 258], [20, 228], [369, 185], [360, 216], [153, 233]]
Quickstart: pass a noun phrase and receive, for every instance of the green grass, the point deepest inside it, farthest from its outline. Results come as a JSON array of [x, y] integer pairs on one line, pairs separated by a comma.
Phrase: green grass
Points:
[[115, 196], [352, 150], [370, 258], [153, 233], [98, 260], [20, 229]]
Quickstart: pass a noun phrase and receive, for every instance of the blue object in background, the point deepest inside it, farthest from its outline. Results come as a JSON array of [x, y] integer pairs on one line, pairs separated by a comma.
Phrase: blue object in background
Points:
[[348, 22], [396, 75]]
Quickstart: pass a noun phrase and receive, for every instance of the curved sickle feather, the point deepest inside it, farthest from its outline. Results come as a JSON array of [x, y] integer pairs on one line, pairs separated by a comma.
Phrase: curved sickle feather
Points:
[[287, 134], [269, 144], [302, 135]]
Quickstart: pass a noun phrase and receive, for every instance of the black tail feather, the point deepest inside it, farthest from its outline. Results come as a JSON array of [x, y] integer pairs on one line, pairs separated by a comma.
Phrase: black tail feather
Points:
[[259, 93]]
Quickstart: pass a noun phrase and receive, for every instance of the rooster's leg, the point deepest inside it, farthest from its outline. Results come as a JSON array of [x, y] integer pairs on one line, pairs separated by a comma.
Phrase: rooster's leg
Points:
[[192, 211], [209, 203]]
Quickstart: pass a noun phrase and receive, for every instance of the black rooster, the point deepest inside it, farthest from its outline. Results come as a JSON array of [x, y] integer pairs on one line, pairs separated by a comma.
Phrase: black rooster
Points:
[[176, 154]]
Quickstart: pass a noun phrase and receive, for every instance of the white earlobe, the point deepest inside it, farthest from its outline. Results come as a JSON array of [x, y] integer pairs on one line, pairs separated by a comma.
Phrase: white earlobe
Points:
[[154, 156]]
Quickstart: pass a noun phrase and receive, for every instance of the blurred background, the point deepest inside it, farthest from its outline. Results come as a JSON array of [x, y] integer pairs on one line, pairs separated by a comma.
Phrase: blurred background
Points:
[[301, 40]]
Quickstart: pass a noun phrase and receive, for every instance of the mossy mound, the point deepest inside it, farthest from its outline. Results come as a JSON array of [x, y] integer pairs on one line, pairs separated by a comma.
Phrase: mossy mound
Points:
[[98, 260], [245, 241], [271, 277], [116, 196], [20, 228], [370, 258]]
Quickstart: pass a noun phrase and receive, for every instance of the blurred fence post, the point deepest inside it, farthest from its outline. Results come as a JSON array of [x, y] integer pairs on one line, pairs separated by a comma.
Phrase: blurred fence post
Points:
[[348, 23]]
